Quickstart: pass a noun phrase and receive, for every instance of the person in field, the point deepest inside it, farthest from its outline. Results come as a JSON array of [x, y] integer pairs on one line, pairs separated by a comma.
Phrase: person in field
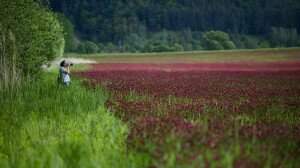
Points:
[[64, 73]]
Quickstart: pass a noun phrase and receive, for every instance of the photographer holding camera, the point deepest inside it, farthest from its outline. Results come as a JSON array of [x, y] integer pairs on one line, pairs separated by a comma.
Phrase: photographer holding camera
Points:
[[64, 73]]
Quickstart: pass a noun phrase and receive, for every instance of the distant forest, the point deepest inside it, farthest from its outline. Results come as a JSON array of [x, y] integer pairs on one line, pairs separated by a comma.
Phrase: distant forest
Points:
[[112, 21]]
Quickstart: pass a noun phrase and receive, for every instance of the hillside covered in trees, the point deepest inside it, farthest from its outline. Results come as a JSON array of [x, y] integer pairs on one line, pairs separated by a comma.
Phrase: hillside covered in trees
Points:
[[135, 24]]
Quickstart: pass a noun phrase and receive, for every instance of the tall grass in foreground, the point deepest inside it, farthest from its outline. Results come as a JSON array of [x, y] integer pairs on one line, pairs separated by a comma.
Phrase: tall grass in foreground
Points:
[[46, 125]]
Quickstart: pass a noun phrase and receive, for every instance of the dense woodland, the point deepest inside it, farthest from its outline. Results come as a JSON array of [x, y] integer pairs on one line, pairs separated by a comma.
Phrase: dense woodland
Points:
[[250, 23]]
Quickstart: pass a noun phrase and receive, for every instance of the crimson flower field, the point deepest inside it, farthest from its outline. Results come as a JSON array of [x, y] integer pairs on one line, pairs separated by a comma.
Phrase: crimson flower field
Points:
[[243, 114]]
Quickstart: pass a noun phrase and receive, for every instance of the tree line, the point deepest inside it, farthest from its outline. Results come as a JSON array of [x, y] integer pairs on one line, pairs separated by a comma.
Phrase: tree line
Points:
[[249, 23]]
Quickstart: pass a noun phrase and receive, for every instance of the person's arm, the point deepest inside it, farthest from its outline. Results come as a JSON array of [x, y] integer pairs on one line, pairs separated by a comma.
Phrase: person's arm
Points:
[[67, 70]]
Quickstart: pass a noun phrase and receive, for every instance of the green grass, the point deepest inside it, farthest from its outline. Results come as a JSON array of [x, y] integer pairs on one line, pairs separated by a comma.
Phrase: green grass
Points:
[[46, 125], [261, 55]]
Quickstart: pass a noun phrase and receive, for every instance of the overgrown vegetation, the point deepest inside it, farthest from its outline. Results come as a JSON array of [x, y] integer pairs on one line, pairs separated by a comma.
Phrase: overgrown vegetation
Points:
[[30, 36], [46, 125], [174, 25]]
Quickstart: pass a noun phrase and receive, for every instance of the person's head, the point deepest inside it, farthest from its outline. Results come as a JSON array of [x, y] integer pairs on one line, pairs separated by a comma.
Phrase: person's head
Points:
[[64, 63]]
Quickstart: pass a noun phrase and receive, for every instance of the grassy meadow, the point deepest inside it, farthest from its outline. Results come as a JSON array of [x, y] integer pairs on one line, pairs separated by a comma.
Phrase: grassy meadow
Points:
[[130, 114], [262, 55], [46, 125]]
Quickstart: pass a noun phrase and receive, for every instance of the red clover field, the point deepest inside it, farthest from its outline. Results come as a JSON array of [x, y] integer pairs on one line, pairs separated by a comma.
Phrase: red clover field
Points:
[[206, 114]]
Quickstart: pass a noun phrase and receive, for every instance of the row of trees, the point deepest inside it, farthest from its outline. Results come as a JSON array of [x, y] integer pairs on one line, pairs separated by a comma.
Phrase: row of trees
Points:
[[165, 41], [187, 40], [103, 21]]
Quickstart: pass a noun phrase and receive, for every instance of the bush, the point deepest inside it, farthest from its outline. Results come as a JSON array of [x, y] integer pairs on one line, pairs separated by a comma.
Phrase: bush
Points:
[[87, 47], [237, 40], [37, 34], [188, 47], [264, 44], [213, 45], [148, 48], [216, 40], [134, 43], [81, 48], [250, 42], [228, 45], [110, 47], [91, 47], [178, 48], [162, 48], [100, 47]]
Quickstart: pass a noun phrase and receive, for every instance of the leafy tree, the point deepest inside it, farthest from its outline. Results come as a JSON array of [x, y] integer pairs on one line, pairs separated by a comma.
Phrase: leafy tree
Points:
[[110, 47], [36, 32], [81, 48], [162, 48], [228, 45], [178, 48], [148, 48], [100, 47], [250, 42], [134, 43], [91, 47], [281, 37], [188, 47], [68, 33], [264, 44], [216, 40]]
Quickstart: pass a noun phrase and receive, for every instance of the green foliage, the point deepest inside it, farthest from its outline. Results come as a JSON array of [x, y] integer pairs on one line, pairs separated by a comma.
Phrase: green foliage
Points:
[[161, 48], [188, 47], [91, 47], [100, 47], [37, 35], [148, 48], [133, 43], [110, 47], [87, 47], [46, 125], [264, 44], [68, 33], [250, 42], [216, 40], [81, 48], [237, 40], [282, 37], [298, 41], [178, 47], [228, 45], [113, 20]]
